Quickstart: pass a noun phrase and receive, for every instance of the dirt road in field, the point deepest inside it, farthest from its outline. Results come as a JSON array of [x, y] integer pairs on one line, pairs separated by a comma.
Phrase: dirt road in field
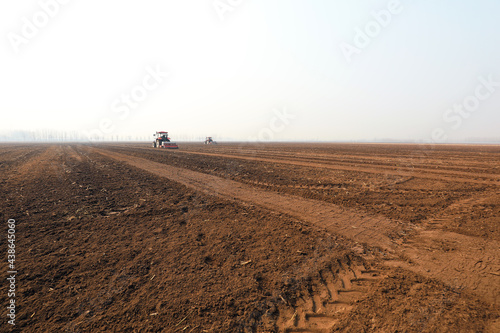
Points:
[[458, 260]]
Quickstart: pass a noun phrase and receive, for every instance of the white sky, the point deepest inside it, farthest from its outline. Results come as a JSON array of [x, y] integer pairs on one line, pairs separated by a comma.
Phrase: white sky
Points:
[[228, 77]]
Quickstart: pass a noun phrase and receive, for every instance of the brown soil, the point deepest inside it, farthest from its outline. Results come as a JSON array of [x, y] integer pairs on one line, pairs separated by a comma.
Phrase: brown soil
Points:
[[271, 238], [404, 182]]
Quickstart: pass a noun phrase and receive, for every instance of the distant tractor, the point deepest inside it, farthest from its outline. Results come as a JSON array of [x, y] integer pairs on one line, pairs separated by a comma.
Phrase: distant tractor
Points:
[[163, 141], [210, 141]]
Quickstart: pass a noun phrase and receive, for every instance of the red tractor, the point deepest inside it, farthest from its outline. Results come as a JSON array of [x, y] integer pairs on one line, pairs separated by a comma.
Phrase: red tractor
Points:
[[210, 141], [163, 141]]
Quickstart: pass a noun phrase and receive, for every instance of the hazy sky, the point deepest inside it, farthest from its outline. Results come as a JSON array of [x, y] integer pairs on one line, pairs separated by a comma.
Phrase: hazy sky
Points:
[[253, 69]]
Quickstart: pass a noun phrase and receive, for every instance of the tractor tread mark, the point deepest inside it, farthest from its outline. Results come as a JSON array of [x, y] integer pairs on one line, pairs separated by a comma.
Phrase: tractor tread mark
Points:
[[329, 296]]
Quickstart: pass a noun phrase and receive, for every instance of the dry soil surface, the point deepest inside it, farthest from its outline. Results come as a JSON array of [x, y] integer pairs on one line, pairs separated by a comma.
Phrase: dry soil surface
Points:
[[253, 238]]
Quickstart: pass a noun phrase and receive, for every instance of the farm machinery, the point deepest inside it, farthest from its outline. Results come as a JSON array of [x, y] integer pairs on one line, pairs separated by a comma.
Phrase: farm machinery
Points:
[[163, 141], [210, 141]]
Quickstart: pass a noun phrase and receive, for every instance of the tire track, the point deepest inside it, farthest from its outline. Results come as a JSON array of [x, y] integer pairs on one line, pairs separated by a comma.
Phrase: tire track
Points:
[[384, 161], [430, 162], [446, 256], [423, 173], [333, 293], [429, 171]]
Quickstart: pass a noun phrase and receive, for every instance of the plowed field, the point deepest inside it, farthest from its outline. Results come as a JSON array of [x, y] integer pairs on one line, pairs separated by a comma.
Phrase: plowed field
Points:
[[253, 238]]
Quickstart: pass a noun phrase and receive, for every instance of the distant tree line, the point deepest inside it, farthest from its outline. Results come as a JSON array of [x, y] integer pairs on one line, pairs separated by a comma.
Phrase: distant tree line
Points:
[[63, 136]]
